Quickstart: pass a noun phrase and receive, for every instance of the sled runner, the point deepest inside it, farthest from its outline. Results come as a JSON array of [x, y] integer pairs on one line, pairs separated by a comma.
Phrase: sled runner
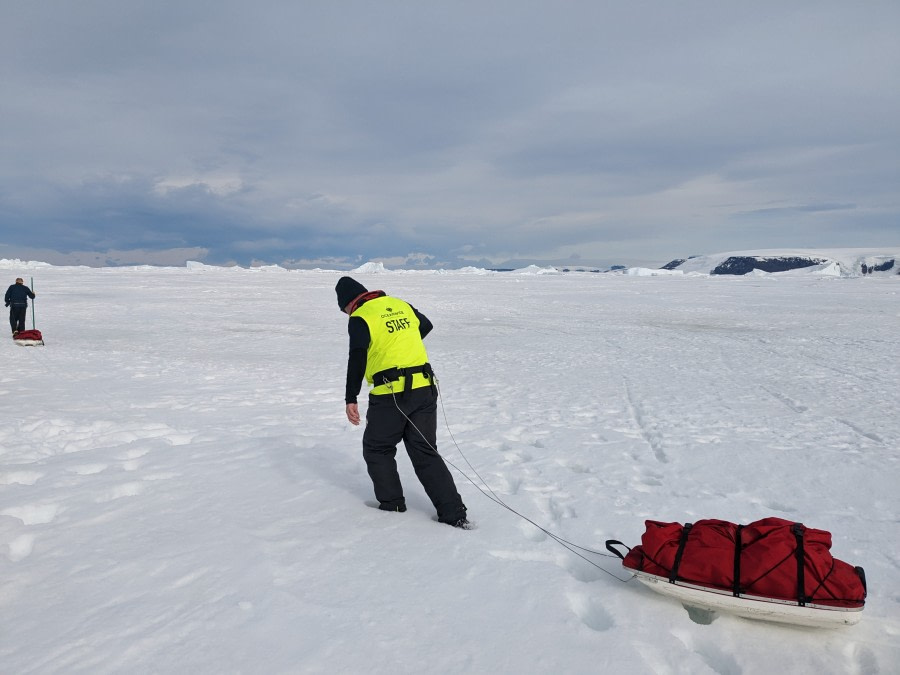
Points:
[[771, 569], [28, 338]]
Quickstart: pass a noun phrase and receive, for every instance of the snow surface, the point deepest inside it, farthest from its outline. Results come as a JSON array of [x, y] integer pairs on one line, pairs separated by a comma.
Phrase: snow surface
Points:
[[180, 491]]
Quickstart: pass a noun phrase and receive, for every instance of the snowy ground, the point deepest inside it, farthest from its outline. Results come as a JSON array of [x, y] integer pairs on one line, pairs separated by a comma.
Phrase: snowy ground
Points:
[[180, 491]]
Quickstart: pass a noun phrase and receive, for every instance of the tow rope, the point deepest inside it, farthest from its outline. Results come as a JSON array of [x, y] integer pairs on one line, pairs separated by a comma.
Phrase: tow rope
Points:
[[572, 547]]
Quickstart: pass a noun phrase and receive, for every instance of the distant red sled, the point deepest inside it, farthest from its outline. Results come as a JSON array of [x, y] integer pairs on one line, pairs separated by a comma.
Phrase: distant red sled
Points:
[[27, 338]]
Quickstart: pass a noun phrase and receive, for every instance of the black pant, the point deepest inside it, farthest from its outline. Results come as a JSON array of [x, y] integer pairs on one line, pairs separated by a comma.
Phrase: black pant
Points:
[[17, 318], [385, 427]]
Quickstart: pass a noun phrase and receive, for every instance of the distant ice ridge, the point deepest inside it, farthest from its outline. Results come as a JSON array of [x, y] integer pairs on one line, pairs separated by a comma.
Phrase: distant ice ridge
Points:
[[370, 268], [646, 272], [534, 269], [379, 268], [16, 264], [835, 263], [849, 262], [852, 262]]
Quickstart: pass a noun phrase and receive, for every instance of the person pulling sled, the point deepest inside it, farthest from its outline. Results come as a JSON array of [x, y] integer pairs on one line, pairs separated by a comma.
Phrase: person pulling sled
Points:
[[386, 348], [17, 300]]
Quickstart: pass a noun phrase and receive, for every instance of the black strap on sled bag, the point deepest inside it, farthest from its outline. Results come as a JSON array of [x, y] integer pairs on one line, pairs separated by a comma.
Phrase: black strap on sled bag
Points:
[[685, 531], [736, 587], [799, 530]]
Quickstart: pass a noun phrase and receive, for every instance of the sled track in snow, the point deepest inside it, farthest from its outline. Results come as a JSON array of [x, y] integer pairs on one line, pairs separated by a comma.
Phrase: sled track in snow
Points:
[[649, 436]]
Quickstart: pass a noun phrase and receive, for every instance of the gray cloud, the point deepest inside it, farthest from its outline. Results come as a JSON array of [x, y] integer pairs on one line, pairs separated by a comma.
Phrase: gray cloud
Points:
[[448, 132], [798, 209]]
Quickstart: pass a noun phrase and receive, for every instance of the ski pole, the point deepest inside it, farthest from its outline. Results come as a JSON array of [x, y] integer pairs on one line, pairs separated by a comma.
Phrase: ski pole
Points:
[[32, 304]]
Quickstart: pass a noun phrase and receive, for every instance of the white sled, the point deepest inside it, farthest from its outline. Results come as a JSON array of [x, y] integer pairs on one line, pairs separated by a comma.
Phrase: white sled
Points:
[[752, 607]]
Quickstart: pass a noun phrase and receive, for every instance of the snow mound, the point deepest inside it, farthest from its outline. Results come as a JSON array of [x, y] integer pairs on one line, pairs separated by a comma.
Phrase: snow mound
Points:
[[195, 266], [269, 268], [645, 272], [16, 264], [474, 270], [370, 268], [534, 269], [831, 268]]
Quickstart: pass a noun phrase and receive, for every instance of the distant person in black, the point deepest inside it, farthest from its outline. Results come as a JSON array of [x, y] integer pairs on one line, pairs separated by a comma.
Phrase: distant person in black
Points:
[[17, 300]]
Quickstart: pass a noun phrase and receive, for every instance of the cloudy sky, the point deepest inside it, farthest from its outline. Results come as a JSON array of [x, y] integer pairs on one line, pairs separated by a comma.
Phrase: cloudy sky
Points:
[[445, 132]]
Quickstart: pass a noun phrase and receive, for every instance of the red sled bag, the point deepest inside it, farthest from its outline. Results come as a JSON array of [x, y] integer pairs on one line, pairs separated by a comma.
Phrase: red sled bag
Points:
[[26, 338], [28, 335], [769, 558]]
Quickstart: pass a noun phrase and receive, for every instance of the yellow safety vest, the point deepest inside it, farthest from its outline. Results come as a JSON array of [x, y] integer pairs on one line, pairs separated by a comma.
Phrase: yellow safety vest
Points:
[[394, 342]]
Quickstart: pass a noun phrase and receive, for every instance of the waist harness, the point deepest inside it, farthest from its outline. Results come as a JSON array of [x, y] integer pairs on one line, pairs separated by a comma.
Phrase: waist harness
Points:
[[391, 375]]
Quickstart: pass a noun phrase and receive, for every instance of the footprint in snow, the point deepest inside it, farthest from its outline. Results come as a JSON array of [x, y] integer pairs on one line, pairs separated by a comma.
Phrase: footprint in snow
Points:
[[124, 490], [134, 453], [574, 467], [591, 612], [778, 506], [531, 532], [89, 469], [860, 659], [20, 547], [710, 652], [20, 477], [33, 514]]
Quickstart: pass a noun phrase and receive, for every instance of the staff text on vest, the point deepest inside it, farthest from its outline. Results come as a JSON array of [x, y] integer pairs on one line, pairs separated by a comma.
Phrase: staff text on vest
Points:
[[396, 324]]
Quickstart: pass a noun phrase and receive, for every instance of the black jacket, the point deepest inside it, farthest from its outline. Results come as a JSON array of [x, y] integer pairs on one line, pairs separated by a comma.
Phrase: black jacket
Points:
[[17, 295]]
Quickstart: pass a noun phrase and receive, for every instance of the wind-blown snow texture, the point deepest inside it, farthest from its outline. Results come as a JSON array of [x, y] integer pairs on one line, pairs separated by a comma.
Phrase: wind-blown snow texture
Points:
[[180, 491]]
